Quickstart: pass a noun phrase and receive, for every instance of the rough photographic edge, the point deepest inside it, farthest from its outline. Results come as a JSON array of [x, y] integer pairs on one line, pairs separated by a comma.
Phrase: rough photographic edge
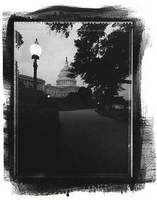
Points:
[[142, 128]]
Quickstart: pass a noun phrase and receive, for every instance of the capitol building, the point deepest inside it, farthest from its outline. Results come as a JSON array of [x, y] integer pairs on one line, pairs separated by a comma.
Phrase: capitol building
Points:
[[65, 84]]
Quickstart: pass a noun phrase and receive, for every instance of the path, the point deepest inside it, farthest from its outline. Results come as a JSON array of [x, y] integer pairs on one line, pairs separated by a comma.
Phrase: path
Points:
[[91, 142]]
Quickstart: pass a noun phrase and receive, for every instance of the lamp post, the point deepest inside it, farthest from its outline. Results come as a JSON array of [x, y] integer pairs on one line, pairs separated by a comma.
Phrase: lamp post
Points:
[[35, 51]]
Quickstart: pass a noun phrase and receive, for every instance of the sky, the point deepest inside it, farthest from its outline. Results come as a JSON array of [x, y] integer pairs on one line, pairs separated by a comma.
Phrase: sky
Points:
[[55, 48]]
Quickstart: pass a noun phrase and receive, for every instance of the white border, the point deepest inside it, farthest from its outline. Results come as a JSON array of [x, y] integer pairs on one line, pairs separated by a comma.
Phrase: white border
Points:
[[144, 9]]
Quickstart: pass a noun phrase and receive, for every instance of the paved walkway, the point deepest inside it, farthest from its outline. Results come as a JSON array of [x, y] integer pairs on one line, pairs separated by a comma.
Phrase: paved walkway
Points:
[[91, 142]]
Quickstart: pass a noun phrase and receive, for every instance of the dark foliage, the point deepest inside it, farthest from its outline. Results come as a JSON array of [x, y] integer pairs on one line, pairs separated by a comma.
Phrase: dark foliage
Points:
[[38, 132], [102, 60], [19, 39], [63, 28], [83, 99]]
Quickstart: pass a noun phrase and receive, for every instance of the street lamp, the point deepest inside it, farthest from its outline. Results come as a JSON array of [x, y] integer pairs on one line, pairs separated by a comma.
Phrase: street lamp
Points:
[[35, 51]]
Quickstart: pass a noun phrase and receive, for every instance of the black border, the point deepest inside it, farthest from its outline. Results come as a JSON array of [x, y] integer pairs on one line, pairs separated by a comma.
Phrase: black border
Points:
[[120, 176], [63, 13]]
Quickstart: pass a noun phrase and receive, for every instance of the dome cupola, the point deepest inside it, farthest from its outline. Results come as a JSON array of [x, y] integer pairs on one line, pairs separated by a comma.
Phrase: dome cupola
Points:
[[64, 78]]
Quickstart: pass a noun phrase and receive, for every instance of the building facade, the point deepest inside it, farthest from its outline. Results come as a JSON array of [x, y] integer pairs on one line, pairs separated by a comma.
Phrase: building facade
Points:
[[64, 84], [28, 82]]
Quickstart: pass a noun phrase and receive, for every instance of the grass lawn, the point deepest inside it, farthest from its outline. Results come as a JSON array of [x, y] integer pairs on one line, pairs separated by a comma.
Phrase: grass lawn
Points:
[[78, 141], [38, 134], [90, 142]]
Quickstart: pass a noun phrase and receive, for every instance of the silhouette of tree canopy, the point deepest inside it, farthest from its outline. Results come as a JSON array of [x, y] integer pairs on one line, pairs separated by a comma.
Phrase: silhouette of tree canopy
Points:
[[102, 59], [19, 39], [61, 27]]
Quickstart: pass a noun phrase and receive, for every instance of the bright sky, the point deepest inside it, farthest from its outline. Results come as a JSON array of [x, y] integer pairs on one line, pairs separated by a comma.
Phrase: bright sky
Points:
[[55, 48]]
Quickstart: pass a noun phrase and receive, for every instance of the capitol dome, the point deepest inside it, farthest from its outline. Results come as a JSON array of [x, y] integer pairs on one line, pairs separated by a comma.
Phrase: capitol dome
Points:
[[64, 78]]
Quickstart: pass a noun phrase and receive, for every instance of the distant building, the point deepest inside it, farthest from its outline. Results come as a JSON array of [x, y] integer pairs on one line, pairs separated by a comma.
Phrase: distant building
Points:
[[28, 82], [65, 84]]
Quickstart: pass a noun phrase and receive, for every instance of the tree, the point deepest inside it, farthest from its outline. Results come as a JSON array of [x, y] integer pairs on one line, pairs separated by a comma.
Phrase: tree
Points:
[[8, 48], [102, 59], [18, 39], [64, 28], [85, 95]]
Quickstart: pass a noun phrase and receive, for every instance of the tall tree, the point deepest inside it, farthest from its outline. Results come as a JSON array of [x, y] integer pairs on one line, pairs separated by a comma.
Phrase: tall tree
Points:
[[19, 39], [102, 58]]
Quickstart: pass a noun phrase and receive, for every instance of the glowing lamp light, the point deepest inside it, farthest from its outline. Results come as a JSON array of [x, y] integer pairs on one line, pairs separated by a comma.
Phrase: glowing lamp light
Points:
[[35, 49]]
